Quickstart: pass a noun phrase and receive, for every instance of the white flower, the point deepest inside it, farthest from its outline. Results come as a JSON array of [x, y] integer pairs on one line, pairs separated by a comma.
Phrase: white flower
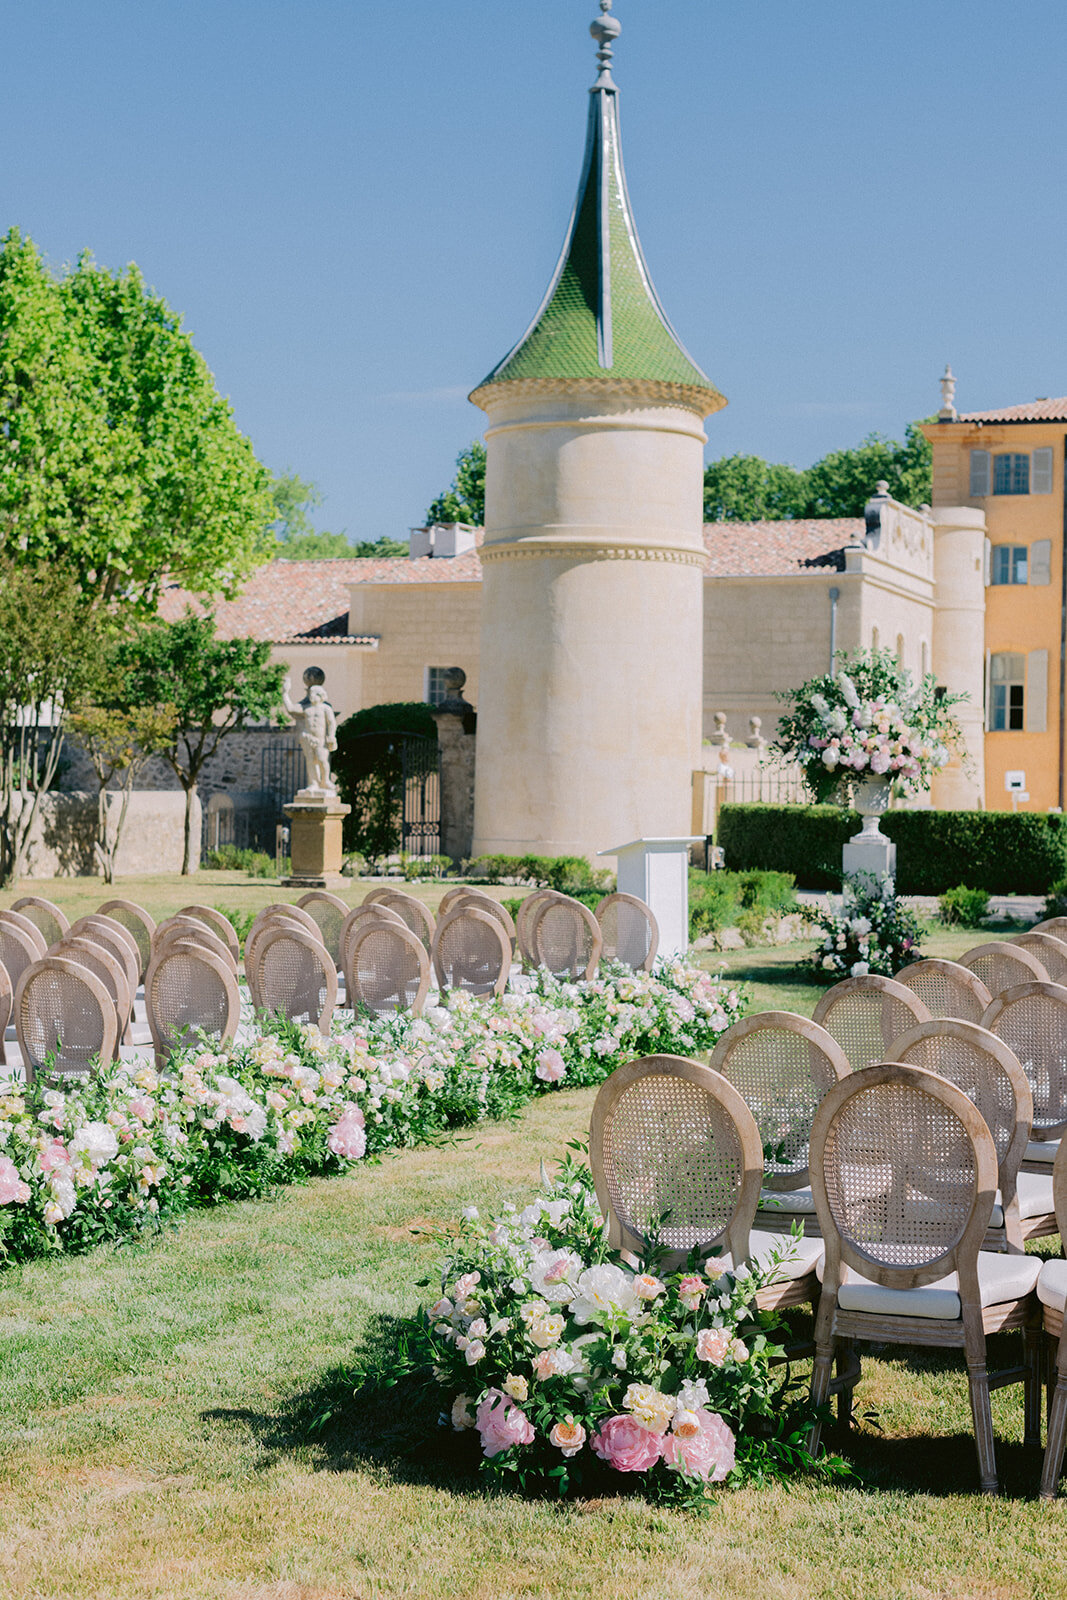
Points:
[[97, 1141], [859, 969], [474, 1352], [618, 1357], [692, 1394], [470, 1214], [462, 1416], [603, 1290], [552, 1274]]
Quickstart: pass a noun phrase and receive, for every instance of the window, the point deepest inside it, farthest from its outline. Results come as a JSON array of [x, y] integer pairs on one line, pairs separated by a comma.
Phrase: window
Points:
[[1012, 472], [1007, 676], [436, 688], [1009, 563]]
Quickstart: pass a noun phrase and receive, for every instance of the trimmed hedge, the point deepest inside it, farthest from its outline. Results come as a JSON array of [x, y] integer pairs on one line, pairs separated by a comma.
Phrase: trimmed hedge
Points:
[[1005, 852]]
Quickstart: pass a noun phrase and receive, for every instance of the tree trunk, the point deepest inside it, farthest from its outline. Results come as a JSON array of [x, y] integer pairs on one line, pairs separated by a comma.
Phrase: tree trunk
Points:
[[187, 858]]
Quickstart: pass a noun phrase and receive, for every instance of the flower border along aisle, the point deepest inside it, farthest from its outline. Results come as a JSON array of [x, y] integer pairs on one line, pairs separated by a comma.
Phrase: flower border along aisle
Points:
[[122, 1150], [573, 1367]]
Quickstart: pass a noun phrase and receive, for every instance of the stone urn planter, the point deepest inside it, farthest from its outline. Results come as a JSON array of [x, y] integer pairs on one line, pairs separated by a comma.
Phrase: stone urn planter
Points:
[[869, 851]]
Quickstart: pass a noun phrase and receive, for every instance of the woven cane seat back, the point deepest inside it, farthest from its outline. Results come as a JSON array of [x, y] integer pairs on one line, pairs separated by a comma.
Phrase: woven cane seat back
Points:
[[106, 966], [295, 975], [1050, 951], [219, 924], [63, 1012], [114, 937], [189, 990], [328, 912], [52, 922], [182, 927], [781, 1065], [904, 1172], [987, 1071], [475, 900], [15, 919], [268, 917], [471, 951], [675, 1155], [946, 989], [388, 969], [412, 913], [1031, 1018], [18, 950], [866, 1014], [629, 931], [359, 918], [567, 939], [137, 922], [7, 1001], [1055, 926], [1001, 965], [525, 918]]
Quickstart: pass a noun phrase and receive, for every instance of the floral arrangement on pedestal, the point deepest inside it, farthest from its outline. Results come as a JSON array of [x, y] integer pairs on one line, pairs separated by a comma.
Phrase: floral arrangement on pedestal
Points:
[[867, 720], [573, 1367], [874, 931]]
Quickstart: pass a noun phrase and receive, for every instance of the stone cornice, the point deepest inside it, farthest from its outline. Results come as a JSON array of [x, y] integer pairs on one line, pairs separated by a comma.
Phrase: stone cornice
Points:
[[690, 396], [591, 550]]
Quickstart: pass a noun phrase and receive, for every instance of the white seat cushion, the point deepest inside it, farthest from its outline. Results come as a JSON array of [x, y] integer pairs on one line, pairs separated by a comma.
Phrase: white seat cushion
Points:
[[1052, 1285], [1042, 1150], [789, 1201], [799, 1256], [1035, 1198], [1000, 1278]]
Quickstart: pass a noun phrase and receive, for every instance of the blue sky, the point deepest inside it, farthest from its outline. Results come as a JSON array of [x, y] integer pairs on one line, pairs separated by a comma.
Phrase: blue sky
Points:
[[356, 207]]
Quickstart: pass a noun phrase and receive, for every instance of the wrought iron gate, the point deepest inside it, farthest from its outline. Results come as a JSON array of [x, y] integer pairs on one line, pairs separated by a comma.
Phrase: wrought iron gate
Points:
[[421, 789]]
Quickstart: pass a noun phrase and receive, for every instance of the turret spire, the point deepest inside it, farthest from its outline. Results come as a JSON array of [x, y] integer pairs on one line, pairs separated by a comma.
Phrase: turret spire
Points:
[[604, 29]]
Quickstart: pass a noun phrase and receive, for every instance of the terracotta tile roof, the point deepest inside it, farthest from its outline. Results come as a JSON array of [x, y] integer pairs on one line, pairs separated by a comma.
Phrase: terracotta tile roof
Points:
[[767, 549], [1032, 411]]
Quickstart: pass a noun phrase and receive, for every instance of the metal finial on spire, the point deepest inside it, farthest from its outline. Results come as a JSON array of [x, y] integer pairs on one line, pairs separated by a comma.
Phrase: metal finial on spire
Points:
[[604, 30], [948, 396]]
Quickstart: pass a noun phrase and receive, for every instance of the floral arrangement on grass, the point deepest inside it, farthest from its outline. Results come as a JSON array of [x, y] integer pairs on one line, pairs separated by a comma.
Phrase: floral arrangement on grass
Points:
[[573, 1369], [874, 931], [127, 1148], [865, 720]]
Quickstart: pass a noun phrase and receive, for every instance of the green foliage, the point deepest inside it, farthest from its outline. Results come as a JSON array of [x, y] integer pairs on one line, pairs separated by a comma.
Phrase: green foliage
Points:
[[297, 537], [464, 499], [415, 868], [571, 875], [748, 489], [119, 739], [1056, 899], [368, 769], [873, 932], [963, 907], [228, 858], [744, 900], [117, 453], [240, 921], [1010, 853]]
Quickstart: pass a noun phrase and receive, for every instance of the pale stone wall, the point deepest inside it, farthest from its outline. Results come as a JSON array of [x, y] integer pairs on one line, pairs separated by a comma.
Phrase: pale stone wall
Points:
[[237, 765], [61, 842], [419, 625], [457, 737], [959, 639], [343, 664]]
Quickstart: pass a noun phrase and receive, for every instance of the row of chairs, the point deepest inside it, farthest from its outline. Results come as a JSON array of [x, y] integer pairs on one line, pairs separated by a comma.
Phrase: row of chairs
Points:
[[904, 1172]]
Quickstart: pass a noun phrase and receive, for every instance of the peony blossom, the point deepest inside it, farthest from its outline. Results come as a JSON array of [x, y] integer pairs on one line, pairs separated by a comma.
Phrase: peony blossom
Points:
[[517, 1387], [603, 1290], [568, 1436], [462, 1416], [501, 1424], [347, 1137], [627, 1446], [96, 1141], [12, 1189], [713, 1344], [651, 1407], [648, 1287], [550, 1067], [691, 1291], [708, 1454]]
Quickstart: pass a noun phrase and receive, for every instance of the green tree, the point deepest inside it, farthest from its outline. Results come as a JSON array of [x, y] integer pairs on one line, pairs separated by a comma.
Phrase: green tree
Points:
[[215, 687], [464, 499], [119, 741], [297, 537], [749, 489], [52, 651], [117, 453]]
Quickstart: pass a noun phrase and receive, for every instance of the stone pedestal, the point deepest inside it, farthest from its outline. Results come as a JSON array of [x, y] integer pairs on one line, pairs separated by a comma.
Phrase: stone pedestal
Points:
[[315, 840], [869, 851], [657, 872]]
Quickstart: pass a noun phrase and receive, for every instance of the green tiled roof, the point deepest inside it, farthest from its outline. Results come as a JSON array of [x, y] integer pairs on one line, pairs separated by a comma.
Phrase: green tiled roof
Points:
[[601, 317]]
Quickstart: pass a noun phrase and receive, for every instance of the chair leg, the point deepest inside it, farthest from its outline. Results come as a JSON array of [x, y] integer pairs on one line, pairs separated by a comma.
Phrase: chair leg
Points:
[[820, 1388], [1057, 1434], [982, 1414], [1034, 1358], [842, 1361]]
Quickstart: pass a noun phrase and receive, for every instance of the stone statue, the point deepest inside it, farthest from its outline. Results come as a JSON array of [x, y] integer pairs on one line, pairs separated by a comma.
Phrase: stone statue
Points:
[[317, 726]]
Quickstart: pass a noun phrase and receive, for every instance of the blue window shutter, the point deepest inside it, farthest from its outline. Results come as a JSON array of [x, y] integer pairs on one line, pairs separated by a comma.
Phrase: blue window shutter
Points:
[[1041, 471], [980, 473]]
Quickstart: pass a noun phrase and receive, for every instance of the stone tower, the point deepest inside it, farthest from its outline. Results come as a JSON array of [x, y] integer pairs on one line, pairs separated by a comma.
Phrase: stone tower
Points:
[[589, 714]]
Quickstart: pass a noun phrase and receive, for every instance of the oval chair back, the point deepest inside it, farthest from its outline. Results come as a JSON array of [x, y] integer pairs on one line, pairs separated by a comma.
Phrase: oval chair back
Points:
[[781, 1065], [525, 918], [866, 1014], [412, 913], [106, 965], [676, 1158], [1050, 951], [567, 939], [475, 900], [116, 938], [138, 924], [189, 990], [26, 925], [1001, 965], [359, 918], [219, 924], [18, 950], [64, 1019], [388, 969], [629, 931], [1056, 926], [295, 975], [268, 917], [182, 927], [52, 922], [7, 1002], [946, 989], [328, 912], [471, 951], [1031, 1018]]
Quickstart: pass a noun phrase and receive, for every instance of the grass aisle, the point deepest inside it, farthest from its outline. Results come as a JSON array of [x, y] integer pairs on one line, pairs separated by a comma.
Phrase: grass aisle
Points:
[[154, 1434]]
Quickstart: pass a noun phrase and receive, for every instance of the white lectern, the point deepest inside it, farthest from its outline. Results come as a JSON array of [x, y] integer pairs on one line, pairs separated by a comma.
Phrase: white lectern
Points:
[[657, 872]]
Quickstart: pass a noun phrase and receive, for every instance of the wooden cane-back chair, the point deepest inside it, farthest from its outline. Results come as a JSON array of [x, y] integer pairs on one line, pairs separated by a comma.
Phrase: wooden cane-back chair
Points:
[[294, 974], [471, 951], [388, 969], [903, 1268], [412, 913], [23, 924], [64, 1019], [989, 1074], [189, 991], [477, 901], [182, 927], [52, 922], [1052, 1293], [18, 950], [1031, 1018], [104, 963], [567, 939], [676, 1158], [268, 917], [866, 1014], [450, 896], [946, 989], [328, 912], [7, 1001], [1001, 965], [782, 1065], [1050, 951], [525, 918], [359, 918], [106, 931], [629, 931], [219, 924], [1056, 926], [138, 924]]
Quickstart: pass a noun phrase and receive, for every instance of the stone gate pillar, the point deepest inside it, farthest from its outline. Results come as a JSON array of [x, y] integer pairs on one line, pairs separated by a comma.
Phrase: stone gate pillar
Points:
[[456, 722]]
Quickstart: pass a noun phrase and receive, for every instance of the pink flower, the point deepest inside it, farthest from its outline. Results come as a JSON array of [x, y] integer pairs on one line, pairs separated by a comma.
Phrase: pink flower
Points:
[[625, 1445], [691, 1291], [347, 1137], [142, 1108], [550, 1066], [707, 1455], [568, 1436], [501, 1424], [713, 1344], [12, 1188], [53, 1156]]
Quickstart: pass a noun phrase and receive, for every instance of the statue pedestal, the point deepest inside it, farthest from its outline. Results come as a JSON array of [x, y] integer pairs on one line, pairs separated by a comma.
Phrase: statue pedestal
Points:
[[315, 823]]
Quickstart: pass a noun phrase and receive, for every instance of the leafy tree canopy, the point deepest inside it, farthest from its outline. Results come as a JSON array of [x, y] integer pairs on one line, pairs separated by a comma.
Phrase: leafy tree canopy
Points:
[[297, 537], [117, 452], [464, 499], [749, 489]]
